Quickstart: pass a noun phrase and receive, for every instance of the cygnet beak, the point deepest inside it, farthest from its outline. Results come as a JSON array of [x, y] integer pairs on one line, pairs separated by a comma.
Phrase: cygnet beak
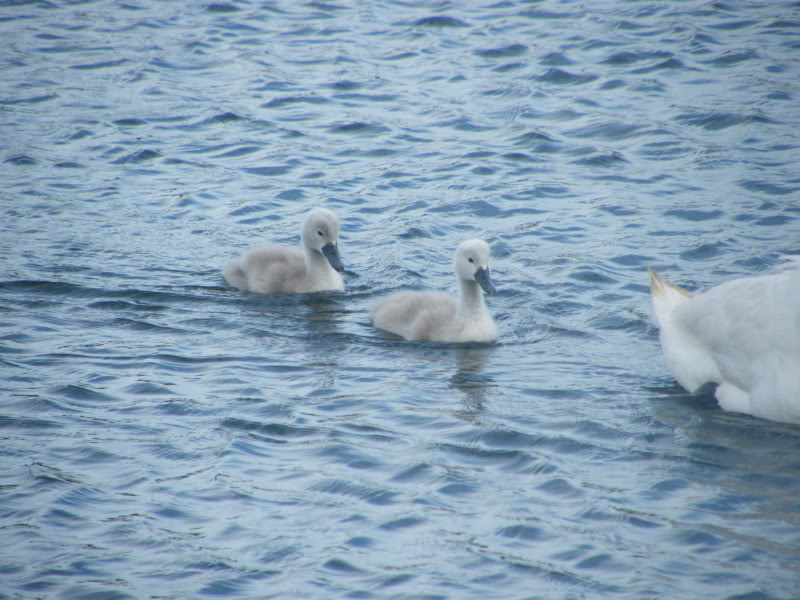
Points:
[[331, 252], [485, 281]]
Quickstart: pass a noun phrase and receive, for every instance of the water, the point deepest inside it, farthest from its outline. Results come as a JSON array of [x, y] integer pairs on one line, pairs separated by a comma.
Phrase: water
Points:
[[166, 437]]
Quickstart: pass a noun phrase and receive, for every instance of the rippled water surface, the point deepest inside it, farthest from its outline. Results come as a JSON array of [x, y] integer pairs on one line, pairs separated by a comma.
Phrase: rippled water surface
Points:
[[164, 436]]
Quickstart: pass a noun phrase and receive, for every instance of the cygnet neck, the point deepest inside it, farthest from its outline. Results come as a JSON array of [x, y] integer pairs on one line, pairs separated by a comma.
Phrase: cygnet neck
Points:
[[470, 300], [316, 263]]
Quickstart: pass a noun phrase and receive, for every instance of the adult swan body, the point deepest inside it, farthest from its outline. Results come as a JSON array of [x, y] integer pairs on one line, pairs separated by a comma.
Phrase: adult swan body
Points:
[[743, 335], [270, 269], [438, 317]]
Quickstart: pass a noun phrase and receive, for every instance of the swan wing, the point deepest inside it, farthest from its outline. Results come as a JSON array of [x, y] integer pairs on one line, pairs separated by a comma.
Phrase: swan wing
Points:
[[270, 269], [416, 315], [743, 335], [751, 329]]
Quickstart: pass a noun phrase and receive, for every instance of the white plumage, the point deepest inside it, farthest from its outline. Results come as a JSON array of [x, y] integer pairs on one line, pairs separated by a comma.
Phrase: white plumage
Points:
[[743, 335], [270, 269], [438, 317]]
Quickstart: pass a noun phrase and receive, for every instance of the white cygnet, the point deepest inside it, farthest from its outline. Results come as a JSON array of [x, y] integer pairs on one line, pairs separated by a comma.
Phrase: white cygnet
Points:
[[270, 269], [743, 335], [438, 317]]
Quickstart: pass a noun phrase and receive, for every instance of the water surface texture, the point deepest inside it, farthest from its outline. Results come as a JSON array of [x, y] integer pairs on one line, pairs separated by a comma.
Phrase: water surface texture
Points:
[[164, 436]]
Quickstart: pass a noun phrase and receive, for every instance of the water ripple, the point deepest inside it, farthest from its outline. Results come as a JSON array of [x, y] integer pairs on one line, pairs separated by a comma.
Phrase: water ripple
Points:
[[164, 435]]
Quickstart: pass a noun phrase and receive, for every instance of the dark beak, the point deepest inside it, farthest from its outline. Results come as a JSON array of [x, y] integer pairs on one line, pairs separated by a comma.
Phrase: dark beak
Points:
[[483, 278], [331, 252]]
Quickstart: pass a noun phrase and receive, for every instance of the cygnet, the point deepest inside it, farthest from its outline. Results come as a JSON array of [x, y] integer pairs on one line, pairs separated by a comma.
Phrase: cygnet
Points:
[[438, 317], [271, 269]]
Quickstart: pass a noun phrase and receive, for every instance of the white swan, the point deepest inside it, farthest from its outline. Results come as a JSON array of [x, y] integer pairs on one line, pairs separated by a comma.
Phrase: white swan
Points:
[[743, 335], [438, 317], [269, 269]]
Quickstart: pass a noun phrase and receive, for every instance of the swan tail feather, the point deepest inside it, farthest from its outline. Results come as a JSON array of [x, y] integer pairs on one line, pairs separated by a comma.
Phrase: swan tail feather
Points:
[[665, 295]]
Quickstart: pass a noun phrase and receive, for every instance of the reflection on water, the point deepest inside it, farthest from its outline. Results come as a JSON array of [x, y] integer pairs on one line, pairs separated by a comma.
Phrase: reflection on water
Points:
[[469, 378]]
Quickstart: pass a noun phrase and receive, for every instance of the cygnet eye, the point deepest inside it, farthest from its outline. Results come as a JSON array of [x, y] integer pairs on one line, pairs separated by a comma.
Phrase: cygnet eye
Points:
[[470, 260], [320, 234]]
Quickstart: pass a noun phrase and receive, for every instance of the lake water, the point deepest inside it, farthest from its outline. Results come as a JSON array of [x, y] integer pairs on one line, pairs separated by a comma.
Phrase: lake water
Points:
[[164, 436]]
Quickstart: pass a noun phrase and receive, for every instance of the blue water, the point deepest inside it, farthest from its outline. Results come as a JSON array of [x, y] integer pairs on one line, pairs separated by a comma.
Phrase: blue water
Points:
[[164, 436]]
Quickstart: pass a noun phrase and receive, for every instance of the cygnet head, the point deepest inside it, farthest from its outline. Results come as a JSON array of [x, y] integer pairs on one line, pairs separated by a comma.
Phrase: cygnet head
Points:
[[472, 263], [321, 233]]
